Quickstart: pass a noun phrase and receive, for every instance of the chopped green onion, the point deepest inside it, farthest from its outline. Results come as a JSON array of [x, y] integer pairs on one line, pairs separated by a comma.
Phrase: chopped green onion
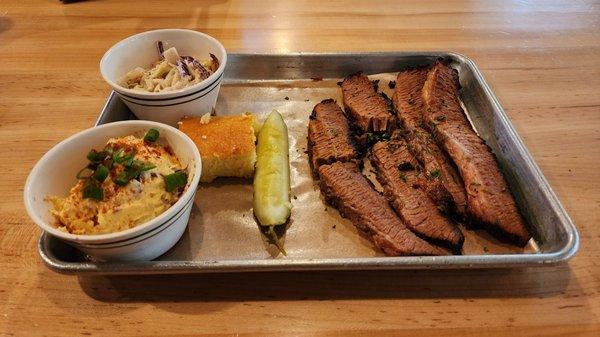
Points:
[[84, 173], [122, 178], [151, 136], [96, 157], [127, 160], [116, 155], [142, 165], [93, 191], [109, 150], [101, 173], [132, 171], [175, 180]]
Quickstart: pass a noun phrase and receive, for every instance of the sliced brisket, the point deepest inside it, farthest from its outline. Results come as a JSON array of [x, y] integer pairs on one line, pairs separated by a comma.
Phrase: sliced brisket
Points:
[[489, 201], [403, 181], [367, 109], [344, 187], [407, 98], [329, 135], [448, 190]]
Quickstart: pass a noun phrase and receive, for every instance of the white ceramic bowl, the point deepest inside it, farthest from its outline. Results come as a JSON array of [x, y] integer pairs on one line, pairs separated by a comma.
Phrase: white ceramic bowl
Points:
[[140, 51], [54, 175]]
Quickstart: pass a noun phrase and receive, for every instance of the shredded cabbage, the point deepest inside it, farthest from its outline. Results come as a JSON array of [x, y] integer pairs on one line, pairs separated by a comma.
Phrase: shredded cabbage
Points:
[[171, 72]]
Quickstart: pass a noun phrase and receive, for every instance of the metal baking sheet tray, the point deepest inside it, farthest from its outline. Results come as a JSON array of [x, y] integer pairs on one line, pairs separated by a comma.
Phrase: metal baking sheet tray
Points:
[[222, 235]]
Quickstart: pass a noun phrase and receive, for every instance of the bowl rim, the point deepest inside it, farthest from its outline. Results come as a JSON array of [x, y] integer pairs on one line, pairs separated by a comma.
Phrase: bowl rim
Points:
[[168, 94], [128, 233]]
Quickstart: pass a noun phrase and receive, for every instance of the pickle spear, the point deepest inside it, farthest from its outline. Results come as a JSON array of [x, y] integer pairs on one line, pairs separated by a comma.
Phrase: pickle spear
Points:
[[272, 206]]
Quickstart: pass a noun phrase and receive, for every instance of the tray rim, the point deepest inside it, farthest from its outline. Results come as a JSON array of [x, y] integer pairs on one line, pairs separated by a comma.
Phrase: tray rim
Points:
[[563, 254]]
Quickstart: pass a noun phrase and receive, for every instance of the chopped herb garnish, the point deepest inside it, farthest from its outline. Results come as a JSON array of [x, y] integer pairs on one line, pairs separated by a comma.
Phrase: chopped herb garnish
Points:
[[175, 180], [406, 166], [96, 156], [101, 173], [440, 118], [334, 132], [123, 178], [404, 177], [92, 191], [434, 174], [117, 155], [151, 136], [125, 160], [143, 166], [109, 150], [84, 173], [132, 172], [373, 137]]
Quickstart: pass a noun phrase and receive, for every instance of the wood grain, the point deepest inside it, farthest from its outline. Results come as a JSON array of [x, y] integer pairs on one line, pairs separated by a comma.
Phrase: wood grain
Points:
[[542, 58]]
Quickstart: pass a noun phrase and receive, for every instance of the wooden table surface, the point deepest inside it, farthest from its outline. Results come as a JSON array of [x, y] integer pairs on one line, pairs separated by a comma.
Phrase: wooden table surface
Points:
[[541, 58]]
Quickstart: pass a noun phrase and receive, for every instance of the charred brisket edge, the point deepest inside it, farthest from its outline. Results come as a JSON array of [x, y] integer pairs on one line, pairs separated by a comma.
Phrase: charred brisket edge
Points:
[[315, 170], [456, 249], [358, 137], [333, 200], [375, 86], [504, 236], [355, 74]]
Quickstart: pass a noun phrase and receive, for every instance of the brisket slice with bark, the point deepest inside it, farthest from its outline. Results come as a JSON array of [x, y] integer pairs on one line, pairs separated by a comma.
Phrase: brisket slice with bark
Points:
[[489, 201], [400, 175], [367, 109], [345, 188], [407, 98], [329, 135], [448, 191]]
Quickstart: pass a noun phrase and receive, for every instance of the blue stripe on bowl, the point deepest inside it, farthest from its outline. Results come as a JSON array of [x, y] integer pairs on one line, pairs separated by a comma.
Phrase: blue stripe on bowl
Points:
[[140, 237], [178, 103], [218, 79]]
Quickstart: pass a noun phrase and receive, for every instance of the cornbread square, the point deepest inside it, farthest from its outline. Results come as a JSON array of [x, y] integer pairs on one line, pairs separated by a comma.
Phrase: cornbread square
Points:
[[226, 144]]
